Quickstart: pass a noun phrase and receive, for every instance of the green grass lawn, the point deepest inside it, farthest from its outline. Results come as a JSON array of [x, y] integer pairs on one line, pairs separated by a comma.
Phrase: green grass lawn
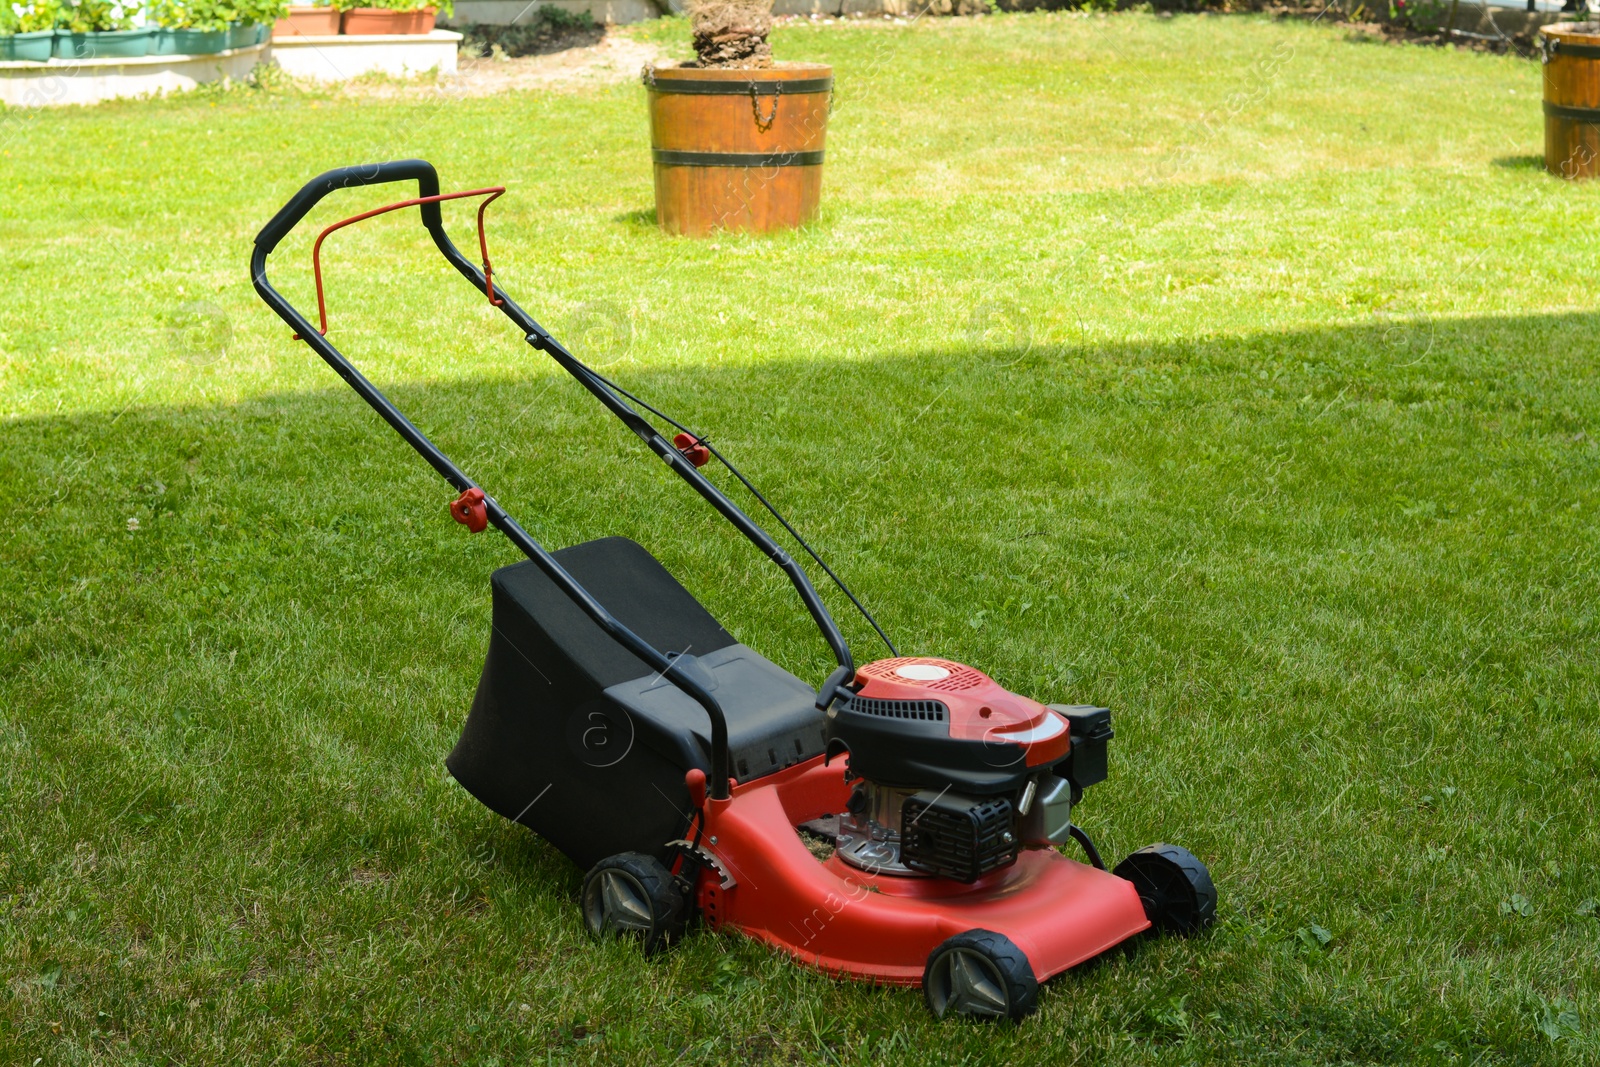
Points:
[[1227, 372]]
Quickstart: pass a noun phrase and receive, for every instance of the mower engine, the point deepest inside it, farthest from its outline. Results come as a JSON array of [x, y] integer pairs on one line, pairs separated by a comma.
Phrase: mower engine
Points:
[[955, 774]]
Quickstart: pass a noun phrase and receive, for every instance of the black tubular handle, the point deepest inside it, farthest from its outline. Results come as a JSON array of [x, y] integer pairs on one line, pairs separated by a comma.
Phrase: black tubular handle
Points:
[[399, 170], [428, 180], [541, 339], [669, 666]]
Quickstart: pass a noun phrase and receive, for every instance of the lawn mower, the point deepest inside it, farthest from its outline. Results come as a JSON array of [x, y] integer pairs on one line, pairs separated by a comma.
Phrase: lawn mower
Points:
[[901, 823]]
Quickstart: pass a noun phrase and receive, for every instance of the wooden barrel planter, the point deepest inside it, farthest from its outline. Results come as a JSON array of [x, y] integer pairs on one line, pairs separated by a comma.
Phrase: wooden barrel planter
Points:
[[738, 149], [1571, 54]]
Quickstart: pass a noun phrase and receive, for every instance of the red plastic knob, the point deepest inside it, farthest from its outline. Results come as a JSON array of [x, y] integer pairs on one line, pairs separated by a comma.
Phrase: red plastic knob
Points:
[[695, 779], [692, 449], [470, 511]]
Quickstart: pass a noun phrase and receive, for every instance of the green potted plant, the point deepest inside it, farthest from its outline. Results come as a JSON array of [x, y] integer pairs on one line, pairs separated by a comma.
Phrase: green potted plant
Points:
[[308, 20], [392, 16], [190, 27], [101, 29], [253, 21], [28, 31]]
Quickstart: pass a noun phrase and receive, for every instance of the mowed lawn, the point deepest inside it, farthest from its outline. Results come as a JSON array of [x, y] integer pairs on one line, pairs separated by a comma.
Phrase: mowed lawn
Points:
[[1227, 372]]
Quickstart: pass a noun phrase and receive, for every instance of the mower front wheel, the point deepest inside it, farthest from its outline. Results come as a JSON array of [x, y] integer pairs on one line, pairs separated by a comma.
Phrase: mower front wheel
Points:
[[1174, 887], [982, 975], [633, 895]]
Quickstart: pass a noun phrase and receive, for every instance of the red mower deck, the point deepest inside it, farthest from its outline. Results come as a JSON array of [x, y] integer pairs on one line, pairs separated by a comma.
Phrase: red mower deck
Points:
[[841, 920]]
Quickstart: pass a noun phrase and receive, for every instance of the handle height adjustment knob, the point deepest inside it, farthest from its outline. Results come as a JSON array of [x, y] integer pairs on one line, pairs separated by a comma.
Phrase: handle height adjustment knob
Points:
[[470, 511]]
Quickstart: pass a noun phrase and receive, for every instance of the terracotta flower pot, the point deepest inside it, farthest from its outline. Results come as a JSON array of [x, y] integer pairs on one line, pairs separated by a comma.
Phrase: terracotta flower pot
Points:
[[370, 20], [304, 20], [738, 149]]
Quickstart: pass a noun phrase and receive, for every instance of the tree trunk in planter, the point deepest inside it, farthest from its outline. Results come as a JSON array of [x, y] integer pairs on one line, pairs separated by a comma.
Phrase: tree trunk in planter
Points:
[[738, 149]]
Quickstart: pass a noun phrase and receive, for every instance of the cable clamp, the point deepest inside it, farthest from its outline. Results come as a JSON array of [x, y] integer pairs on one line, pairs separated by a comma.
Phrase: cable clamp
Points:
[[693, 448]]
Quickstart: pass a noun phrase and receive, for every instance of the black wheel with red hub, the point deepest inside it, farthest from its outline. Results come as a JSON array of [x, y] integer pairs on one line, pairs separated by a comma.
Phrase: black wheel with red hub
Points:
[[981, 975], [1174, 887], [632, 895]]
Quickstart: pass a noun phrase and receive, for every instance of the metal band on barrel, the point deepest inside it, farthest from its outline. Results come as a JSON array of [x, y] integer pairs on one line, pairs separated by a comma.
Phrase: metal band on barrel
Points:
[[707, 87], [1576, 114], [671, 158], [1554, 46]]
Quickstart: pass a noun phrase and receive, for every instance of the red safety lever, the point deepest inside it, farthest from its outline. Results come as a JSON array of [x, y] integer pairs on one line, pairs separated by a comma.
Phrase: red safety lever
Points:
[[692, 449], [490, 194], [470, 511]]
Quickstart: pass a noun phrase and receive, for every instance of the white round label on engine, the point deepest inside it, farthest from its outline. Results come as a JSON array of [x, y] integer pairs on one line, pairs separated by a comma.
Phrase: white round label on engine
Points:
[[922, 672]]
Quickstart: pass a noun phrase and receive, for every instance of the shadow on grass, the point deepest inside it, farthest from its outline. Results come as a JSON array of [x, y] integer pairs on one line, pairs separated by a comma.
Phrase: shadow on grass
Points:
[[641, 219], [1003, 425], [1529, 162], [1288, 560]]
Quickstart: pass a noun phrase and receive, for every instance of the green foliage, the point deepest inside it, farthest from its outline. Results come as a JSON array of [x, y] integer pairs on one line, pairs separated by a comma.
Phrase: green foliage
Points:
[[38, 16], [195, 14], [1517, 905], [445, 8], [1558, 1019], [92, 16], [265, 12], [1313, 938], [1423, 16], [215, 14]]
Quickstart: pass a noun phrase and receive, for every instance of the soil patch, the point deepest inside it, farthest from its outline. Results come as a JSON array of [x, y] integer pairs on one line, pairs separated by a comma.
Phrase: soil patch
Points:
[[612, 59]]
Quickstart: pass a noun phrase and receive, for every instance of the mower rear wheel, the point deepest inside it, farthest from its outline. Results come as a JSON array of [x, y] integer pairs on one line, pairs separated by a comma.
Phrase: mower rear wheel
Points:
[[633, 895], [1174, 887], [982, 975]]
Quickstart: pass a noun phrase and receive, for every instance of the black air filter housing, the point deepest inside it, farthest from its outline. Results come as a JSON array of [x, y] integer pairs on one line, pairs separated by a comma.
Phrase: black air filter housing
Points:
[[959, 837]]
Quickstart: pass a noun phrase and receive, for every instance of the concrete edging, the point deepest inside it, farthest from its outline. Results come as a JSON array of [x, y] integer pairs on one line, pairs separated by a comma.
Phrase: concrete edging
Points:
[[338, 57], [57, 82]]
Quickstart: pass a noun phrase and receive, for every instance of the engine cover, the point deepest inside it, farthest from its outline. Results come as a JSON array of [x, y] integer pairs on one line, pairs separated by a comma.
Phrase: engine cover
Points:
[[917, 722]]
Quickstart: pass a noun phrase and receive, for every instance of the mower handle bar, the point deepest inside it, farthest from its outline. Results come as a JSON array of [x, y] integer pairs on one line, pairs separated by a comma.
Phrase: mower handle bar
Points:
[[310, 194], [428, 185]]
